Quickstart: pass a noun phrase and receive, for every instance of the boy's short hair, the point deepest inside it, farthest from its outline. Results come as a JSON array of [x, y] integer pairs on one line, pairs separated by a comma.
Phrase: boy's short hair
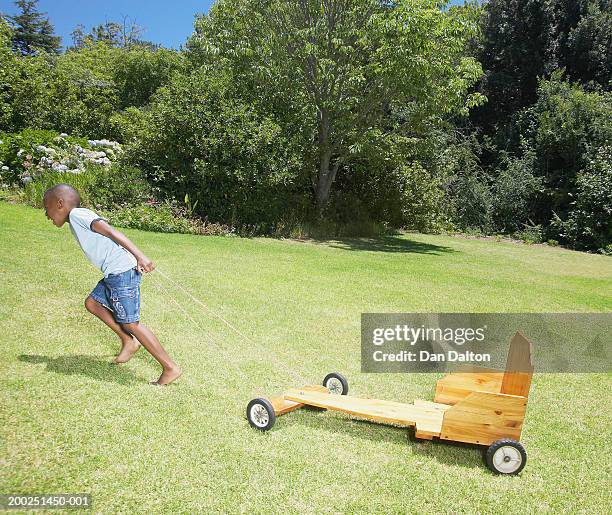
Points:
[[64, 191]]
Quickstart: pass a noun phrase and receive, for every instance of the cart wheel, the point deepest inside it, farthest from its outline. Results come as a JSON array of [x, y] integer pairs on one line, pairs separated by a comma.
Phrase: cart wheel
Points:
[[506, 456], [260, 414], [336, 383]]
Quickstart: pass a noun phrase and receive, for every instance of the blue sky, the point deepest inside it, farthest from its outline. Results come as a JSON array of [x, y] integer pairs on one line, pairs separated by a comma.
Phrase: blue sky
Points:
[[166, 23]]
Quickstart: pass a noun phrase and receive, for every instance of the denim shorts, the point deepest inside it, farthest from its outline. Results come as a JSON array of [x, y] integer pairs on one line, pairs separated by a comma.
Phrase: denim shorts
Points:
[[121, 294]]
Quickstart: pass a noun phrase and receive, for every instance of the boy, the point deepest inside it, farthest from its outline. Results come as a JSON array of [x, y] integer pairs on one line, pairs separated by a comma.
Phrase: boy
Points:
[[116, 298]]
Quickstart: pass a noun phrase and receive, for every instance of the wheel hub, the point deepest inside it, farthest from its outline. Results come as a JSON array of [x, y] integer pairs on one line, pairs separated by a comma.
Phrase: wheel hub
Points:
[[334, 386], [260, 415], [507, 459]]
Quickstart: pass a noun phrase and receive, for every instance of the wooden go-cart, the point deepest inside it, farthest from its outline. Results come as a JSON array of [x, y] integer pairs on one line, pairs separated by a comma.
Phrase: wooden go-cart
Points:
[[475, 405]]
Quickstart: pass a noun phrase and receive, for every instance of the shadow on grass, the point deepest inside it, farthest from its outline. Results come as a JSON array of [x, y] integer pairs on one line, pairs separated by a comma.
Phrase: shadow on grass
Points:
[[446, 452], [388, 244], [89, 366]]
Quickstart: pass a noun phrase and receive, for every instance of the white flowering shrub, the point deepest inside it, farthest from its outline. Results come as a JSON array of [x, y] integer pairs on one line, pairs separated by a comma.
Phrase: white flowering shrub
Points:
[[27, 155]]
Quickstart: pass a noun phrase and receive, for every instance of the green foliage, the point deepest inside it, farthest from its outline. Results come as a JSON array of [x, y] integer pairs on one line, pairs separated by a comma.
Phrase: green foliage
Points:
[[335, 117], [547, 166], [26, 99], [405, 195], [530, 233], [514, 191], [472, 202], [100, 187], [469, 199], [116, 186], [589, 222], [232, 160], [585, 41], [127, 124], [564, 127], [138, 72], [80, 92], [164, 217], [84, 96], [8, 74], [34, 191], [528, 39], [334, 74]]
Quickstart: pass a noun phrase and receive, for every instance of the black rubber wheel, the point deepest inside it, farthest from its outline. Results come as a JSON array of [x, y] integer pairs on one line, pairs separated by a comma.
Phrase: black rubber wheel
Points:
[[260, 414], [336, 383], [506, 457]]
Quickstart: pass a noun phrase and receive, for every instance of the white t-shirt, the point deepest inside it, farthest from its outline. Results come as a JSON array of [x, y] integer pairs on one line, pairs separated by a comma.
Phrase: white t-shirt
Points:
[[106, 255]]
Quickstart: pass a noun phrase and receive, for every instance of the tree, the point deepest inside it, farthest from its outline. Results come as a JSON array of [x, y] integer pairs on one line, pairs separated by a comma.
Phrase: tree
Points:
[[524, 40], [353, 75], [516, 49], [78, 36], [123, 34], [585, 49], [33, 31], [8, 75]]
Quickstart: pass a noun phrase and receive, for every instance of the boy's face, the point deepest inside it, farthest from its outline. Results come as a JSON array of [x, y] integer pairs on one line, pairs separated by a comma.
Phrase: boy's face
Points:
[[56, 210]]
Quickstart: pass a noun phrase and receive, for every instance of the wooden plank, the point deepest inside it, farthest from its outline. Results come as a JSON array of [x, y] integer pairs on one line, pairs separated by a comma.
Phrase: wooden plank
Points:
[[282, 405], [431, 405], [426, 419], [458, 385], [425, 435], [484, 417], [315, 388], [519, 367]]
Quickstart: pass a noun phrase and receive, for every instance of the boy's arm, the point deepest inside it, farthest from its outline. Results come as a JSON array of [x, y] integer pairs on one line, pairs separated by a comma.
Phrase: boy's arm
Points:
[[104, 228]]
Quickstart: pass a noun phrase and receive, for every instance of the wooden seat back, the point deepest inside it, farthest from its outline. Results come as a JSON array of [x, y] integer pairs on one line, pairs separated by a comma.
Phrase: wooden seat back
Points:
[[519, 367]]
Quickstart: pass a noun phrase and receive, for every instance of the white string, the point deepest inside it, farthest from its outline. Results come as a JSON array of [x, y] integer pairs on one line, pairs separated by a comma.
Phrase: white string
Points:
[[206, 333], [272, 357]]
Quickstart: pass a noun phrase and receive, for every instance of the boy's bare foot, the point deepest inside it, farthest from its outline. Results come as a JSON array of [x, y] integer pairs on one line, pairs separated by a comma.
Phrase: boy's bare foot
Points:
[[128, 349], [168, 375]]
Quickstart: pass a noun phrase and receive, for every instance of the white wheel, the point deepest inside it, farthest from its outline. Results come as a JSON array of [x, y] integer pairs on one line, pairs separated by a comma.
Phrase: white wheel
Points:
[[260, 414], [506, 457]]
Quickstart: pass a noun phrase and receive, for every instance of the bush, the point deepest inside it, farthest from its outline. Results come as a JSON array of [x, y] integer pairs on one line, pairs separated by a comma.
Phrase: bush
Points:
[[100, 187], [164, 217], [15, 149], [531, 233], [32, 153], [513, 191], [78, 91], [468, 201], [564, 128], [114, 186], [125, 125], [198, 139], [589, 223], [471, 202], [34, 191]]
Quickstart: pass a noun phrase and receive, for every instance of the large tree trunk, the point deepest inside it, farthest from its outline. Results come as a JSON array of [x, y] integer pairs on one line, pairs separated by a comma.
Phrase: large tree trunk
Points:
[[327, 172]]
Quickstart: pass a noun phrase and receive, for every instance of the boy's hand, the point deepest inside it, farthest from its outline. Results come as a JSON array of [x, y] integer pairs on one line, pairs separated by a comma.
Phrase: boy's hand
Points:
[[145, 264]]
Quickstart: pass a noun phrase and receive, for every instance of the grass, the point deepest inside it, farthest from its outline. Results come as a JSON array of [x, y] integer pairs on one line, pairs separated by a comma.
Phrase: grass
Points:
[[72, 422]]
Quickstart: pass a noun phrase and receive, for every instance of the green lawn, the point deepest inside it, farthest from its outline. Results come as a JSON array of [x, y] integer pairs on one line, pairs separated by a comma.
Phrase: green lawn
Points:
[[74, 423]]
